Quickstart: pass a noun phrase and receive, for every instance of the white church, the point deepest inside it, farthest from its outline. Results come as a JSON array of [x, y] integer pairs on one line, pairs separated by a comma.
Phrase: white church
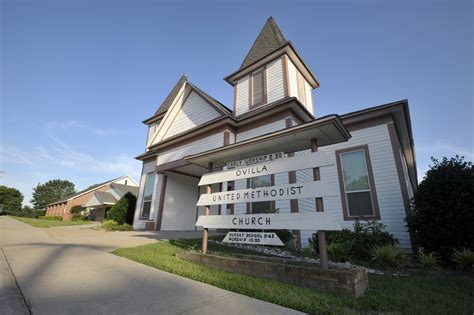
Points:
[[373, 170]]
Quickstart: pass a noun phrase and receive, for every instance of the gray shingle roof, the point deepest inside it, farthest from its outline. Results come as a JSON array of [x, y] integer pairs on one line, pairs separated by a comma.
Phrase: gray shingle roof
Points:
[[105, 197], [174, 92], [169, 99], [269, 39], [71, 196], [126, 188]]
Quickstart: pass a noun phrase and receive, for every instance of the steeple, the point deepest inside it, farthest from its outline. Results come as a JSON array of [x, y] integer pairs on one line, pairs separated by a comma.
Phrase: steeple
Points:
[[269, 40], [272, 71]]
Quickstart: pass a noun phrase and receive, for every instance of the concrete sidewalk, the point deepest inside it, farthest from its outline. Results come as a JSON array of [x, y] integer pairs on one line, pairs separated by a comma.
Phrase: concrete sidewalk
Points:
[[58, 276], [11, 300]]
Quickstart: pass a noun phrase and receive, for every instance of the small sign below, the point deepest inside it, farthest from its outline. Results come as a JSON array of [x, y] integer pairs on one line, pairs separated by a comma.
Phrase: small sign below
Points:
[[254, 238]]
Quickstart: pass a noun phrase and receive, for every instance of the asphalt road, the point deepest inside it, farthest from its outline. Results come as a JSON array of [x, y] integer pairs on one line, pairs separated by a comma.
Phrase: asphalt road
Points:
[[69, 270]]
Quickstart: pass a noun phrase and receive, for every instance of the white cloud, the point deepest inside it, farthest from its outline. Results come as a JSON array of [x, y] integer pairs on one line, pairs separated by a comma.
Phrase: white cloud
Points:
[[54, 157], [13, 155], [445, 149], [438, 150]]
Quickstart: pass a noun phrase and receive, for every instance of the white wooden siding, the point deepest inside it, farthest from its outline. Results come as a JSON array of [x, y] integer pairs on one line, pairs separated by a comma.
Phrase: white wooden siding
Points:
[[155, 199], [293, 87], [406, 175], [268, 128], [147, 168], [151, 131], [207, 143], [242, 96], [309, 100], [389, 195], [275, 85], [194, 112], [179, 208], [292, 78]]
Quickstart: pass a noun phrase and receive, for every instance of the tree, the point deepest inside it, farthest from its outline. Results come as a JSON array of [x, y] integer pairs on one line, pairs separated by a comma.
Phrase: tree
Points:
[[443, 207], [51, 191], [122, 212], [11, 199]]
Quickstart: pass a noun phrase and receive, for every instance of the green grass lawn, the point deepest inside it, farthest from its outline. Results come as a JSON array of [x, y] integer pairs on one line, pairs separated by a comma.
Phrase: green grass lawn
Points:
[[418, 294], [48, 223]]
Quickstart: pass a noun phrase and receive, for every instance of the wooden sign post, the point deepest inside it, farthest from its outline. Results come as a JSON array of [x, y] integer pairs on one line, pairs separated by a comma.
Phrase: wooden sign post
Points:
[[267, 165], [207, 210]]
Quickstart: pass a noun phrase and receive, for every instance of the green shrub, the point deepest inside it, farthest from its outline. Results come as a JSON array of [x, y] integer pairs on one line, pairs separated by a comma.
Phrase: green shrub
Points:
[[111, 225], [122, 212], [428, 261], [388, 256], [360, 241], [443, 207], [51, 218], [339, 251], [464, 259]]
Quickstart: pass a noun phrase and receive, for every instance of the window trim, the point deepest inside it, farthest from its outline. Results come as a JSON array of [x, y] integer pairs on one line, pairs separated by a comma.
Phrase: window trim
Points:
[[141, 217], [373, 191], [264, 81]]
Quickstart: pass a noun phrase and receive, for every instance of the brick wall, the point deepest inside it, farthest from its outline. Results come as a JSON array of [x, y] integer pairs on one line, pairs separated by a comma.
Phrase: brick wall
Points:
[[64, 209]]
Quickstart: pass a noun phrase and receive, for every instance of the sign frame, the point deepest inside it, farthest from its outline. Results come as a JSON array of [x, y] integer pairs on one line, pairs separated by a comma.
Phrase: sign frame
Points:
[[288, 164]]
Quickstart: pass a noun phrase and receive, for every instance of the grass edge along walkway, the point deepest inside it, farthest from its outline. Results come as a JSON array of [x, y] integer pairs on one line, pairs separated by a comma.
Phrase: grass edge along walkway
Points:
[[439, 294], [48, 223]]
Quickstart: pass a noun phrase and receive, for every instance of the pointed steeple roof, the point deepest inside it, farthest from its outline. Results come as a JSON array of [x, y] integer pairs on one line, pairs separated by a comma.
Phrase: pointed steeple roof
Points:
[[169, 99], [269, 39]]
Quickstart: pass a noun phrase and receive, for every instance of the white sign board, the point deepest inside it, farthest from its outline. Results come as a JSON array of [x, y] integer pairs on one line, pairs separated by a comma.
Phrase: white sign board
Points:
[[271, 221], [257, 238], [299, 162], [255, 160], [279, 192]]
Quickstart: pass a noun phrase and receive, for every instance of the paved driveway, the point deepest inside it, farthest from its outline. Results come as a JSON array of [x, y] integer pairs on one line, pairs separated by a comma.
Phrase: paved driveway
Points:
[[68, 270]]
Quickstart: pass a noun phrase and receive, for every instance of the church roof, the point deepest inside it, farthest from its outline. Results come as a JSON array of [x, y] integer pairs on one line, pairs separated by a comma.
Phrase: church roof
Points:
[[174, 92], [270, 39], [169, 99]]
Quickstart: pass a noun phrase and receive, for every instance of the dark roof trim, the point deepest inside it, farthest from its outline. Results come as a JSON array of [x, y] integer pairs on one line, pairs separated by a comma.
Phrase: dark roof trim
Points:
[[229, 119], [278, 52], [221, 108], [172, 95]]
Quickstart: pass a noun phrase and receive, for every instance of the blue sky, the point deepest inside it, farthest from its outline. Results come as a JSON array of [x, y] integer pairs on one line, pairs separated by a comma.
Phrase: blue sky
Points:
[[78, 77]]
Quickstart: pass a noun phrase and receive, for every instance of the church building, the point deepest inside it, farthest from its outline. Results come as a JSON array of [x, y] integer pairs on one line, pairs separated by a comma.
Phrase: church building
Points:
[[373, 175]]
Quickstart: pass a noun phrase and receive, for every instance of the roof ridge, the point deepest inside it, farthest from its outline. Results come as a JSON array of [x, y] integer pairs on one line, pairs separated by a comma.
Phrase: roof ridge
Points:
[[172, 95]]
